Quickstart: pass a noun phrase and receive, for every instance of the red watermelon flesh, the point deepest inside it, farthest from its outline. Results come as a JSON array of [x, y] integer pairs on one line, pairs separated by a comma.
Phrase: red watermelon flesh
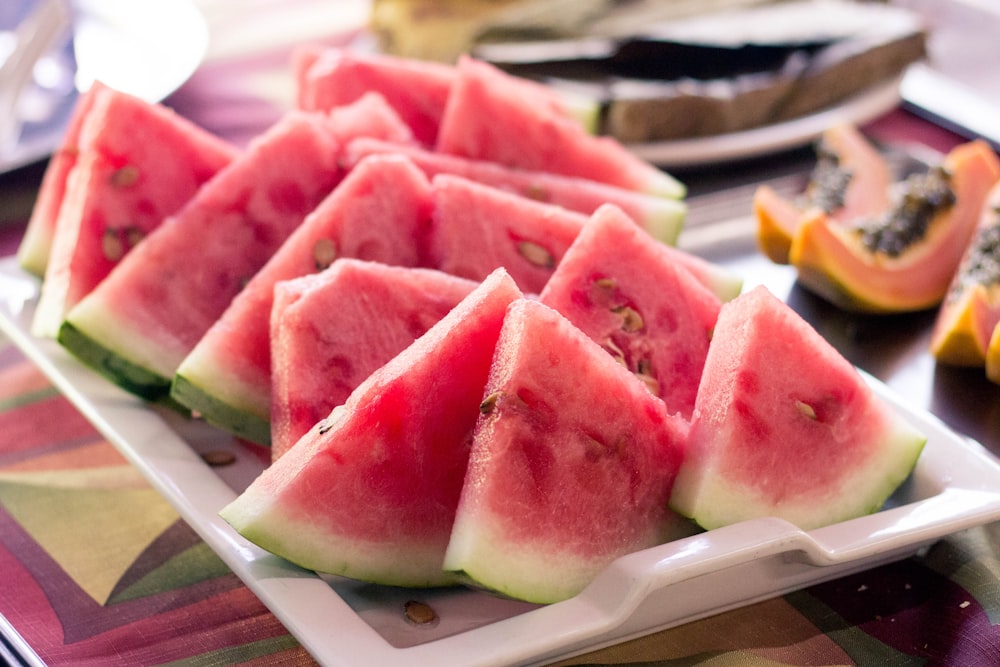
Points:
[[571, 467], [33, 251], [375, 213], [633, 297], [302, 60], [137, 164], [137, 326], [370, 492], [785, 426], [417, 90], [661, 217], [477, 228], [493, 116], [331, 330], [369, 116]]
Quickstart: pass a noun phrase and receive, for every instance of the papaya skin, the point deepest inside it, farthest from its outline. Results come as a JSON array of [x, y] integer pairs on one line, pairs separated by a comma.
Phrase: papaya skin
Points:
[[866, 192], [777, 220], [993, 357], [962, 332], [971, 311], [832, 261]]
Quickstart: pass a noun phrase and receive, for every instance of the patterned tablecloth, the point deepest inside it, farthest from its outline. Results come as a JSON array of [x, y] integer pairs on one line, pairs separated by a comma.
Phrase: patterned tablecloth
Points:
[[97, 569]]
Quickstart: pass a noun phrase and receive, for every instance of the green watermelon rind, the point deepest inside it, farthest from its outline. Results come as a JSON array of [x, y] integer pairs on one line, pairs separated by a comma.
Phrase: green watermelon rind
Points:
[[260, 520], [712, 501], [666, 225], [492, 565], [133, 377], [239, 419]]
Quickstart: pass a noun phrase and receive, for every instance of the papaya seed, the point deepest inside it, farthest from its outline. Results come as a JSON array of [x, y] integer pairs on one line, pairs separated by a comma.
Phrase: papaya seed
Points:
[[829, 181], [982, 265], [906, 223]]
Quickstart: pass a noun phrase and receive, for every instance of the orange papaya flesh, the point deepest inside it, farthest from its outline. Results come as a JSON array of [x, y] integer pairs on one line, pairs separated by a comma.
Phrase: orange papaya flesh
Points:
[[971, 308], [777, 220], [851, 179], [866, 191], [904, 260], [993, 356]]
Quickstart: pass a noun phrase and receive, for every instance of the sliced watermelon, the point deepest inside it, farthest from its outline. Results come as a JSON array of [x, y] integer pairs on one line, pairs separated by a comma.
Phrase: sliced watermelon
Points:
[[376, 213], [661, 217], [33, 251], [303, 58], [137, 164], [477, 228], [370, 492], [784, 426], [417, 90], [137, 326], [331, 330], [369, 116], [492, 116], [571, 466], [633, 296]]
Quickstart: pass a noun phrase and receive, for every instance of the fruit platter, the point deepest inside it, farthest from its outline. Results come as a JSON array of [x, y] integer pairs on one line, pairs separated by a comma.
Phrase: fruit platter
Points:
[[186, 330], [343, 622]]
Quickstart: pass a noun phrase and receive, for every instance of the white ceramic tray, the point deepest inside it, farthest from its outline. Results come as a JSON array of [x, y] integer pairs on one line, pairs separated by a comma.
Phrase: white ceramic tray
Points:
[[955, 485]]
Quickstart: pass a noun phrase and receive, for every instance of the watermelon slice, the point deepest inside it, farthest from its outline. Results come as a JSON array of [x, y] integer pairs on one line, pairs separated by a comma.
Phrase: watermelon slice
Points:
[[331, 330], [634, 297], [370, 492], [137, 164], [417, 90], [137, 326], [375, 213], [491, 115], [663, 218], [303, 58], [784, 426], [371, 116], [571, 466], [477, 228], [33, 251]]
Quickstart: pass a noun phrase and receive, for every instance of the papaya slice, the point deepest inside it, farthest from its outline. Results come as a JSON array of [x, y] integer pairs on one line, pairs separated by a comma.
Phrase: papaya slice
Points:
[[971, 309], [993, 356], [904, 259], [851, 180]]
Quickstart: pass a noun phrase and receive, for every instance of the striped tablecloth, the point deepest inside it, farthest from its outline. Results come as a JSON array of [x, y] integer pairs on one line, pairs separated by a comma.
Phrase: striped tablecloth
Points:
[[97, 569]]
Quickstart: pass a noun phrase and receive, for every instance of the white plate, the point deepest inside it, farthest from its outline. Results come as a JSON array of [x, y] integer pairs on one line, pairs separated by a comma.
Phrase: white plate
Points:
[[956, 485], [147, 48], [770, 138]]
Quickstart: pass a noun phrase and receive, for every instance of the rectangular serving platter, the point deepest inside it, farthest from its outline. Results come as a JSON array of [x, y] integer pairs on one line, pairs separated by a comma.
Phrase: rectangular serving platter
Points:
[[956, 485]]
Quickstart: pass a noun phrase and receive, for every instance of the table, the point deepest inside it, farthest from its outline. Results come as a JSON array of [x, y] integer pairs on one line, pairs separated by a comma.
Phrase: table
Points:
[[97, 569]]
